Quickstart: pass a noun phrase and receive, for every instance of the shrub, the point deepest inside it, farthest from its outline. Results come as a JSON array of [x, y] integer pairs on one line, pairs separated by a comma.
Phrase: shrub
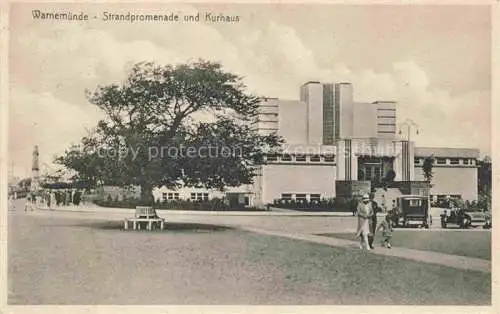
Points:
[[209, 205]]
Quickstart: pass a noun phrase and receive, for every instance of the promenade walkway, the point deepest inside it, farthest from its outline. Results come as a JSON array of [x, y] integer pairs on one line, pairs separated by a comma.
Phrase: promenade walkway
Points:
[[454, 261]]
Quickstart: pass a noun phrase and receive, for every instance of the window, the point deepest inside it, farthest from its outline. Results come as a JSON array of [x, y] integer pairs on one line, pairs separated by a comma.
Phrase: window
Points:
[[286, 157], [199, 196], [205, 196], [329, 158], [454, 161], [286, 196], [301, 197], [441, 161], [193, 196], [171, 196], [300, 158], [315, 158], [415, 203], [421, 191], [417, 161], [272, 158], [164, 196], [315, 197]]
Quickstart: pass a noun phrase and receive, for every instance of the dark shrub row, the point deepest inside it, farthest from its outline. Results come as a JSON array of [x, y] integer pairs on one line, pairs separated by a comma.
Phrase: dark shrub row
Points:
[[208, 205]]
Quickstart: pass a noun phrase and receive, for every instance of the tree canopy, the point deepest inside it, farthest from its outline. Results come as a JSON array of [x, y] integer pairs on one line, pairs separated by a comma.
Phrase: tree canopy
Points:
[[175, 125], [427, 168], [484, 176]]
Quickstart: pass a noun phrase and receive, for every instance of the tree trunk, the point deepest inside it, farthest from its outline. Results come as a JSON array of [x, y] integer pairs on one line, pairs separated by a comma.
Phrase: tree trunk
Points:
[[147, 198]]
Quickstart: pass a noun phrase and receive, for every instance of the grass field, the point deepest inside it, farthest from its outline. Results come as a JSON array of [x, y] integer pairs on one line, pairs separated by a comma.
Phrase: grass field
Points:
[[463, 243], [68, 261]]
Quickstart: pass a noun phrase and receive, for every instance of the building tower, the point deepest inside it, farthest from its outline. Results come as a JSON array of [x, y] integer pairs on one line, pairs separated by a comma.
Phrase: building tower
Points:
[[35, 171]]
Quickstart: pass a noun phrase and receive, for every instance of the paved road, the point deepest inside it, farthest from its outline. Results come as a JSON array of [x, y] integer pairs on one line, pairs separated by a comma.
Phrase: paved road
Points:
[[294, 221]]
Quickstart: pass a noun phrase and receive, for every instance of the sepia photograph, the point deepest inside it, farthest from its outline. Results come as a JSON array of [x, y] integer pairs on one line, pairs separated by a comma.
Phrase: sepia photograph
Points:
[[249, 154]]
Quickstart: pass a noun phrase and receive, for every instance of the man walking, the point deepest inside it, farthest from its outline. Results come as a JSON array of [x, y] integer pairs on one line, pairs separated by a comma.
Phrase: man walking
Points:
[[373, 222]]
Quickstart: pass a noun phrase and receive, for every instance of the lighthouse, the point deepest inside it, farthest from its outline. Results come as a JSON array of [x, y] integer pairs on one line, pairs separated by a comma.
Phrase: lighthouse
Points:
[[35, 171]]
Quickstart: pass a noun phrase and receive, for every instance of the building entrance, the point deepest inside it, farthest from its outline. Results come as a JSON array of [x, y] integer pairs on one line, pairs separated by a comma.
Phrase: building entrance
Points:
[[371, 172], [373, 168]]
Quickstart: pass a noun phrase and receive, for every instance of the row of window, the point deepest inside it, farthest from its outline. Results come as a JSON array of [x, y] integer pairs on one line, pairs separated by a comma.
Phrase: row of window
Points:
[[170, 196], [199, 196], [301, 158], [448, 161], [301, 196], [442, 197], [194, 196]]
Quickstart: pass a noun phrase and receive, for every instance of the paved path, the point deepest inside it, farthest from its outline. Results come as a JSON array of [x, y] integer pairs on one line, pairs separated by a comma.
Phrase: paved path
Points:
[[284, 225], [454, 261]]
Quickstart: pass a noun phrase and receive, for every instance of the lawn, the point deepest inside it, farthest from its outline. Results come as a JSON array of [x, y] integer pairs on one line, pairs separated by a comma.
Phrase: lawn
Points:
[[73, 261], [463, 243]]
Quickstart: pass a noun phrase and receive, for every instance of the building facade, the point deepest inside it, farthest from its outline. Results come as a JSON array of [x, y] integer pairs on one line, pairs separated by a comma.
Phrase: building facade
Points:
[[336, 146]]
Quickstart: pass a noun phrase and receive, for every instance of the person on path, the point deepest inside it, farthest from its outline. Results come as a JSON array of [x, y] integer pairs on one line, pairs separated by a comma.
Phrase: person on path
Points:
[[386, 227], [365, 213], [373, 223], [30, 200], [354, 205], [11, 202]]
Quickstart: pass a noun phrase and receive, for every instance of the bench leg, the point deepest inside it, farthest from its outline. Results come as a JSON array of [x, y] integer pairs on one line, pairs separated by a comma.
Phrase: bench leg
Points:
[[162, 224], [150, 225], [135, 225], [125, 224]]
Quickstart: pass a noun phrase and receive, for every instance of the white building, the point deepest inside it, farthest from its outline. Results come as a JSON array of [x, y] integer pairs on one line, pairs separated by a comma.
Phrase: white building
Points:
[[363, 138]]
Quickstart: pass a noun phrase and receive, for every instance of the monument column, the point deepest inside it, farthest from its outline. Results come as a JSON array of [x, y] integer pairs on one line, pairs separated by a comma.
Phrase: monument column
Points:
[[35, 171]]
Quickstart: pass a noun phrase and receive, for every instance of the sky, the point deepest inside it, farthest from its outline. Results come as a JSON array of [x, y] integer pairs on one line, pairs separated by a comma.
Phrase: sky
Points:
[[434, 61]]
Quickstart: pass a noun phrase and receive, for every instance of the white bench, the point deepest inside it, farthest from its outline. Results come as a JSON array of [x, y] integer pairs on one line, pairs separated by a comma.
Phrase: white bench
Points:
[[145, 214]]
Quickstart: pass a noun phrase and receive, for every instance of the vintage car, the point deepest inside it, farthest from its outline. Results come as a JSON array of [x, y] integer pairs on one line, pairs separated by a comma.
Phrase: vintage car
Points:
[[411, 210], [465, 218]]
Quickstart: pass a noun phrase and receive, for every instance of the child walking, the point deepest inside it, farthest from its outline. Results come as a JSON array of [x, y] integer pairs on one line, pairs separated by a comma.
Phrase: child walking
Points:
[[386, 227]]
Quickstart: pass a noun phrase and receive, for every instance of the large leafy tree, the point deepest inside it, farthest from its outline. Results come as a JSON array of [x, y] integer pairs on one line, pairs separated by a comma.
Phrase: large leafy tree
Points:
[[188, 124], [484, 175], [84, 160]]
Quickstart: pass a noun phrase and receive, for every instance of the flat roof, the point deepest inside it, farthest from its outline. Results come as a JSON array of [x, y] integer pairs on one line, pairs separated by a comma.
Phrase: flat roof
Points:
[[447, 152]]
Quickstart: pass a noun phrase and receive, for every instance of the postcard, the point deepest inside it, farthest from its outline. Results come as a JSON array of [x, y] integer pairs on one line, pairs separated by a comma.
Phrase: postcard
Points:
[[257, 154]]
